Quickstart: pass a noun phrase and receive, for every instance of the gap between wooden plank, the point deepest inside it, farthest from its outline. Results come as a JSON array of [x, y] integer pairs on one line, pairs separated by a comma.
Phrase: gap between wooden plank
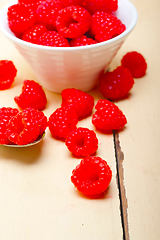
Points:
[[120, 182]]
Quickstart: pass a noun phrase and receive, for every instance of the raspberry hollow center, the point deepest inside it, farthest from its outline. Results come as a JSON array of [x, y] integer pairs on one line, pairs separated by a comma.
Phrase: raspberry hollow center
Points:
[[80, 142], [90, 175], [70, 21]]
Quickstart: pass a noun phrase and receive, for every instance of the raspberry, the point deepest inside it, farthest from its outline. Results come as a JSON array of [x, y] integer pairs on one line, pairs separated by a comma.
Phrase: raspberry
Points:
[[30, 4], [66, 3], [36, 117], [82, 41], [32, 34], [73, 21], [136, 64], [82, 142], [61, 122], [92, 176], [26, 2], [20, 18], [47, 13], [22, 132], [81, 101], [108, 116], [115, 85], [105, 26], [6, 113], [32, 96], [53, 39], [101, 5], [8, 73]]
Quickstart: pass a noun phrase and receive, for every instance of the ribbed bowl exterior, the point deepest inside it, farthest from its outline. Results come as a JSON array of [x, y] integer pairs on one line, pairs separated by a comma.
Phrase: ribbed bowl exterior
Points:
[[78, 67]]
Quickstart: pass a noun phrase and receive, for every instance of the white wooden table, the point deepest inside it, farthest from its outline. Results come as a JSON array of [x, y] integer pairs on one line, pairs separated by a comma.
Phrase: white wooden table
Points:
[[38, 200]]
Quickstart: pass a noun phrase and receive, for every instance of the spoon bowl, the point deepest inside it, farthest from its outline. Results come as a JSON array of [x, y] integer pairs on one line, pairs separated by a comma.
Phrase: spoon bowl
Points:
[[39, 139]]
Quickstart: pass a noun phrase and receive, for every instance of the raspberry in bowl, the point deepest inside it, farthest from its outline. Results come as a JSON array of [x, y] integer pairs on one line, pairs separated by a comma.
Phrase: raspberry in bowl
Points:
[[60, 55]]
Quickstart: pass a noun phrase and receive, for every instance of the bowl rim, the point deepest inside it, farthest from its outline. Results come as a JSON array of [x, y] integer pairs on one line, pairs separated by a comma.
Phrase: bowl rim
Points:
[[49, 48]]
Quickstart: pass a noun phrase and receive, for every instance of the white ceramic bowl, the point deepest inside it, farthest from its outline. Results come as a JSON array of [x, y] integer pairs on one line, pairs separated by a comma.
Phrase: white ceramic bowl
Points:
[[57, 68]]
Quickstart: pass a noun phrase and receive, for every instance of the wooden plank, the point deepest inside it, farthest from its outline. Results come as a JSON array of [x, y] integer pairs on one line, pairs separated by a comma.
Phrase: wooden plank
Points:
[[37, 198], [139, 142]]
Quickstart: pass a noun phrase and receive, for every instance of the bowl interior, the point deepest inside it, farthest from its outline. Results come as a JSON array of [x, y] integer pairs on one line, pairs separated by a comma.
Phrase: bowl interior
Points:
[[126, 12]]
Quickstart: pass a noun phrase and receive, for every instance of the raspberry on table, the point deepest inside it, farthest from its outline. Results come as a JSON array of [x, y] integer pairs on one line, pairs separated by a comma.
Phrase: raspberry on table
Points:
[[37, 117], [8, 73], [61, 122], [73, 21], [101, 5], [92, 176], [20, 18], [105, 26], [116, 84], [32, 34], [53, 39], [22, 132], [136, 64], [82, 142], [32, 96], [108, 116], [6, 113], [81, 101], [47, 13], [82, 41]]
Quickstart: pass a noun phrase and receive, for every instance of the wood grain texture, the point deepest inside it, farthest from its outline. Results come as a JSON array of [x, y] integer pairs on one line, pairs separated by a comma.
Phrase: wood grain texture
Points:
[[121, 186]]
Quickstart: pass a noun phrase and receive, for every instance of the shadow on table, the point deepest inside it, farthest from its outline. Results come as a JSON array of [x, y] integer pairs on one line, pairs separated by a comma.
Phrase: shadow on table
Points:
[[26, 155]]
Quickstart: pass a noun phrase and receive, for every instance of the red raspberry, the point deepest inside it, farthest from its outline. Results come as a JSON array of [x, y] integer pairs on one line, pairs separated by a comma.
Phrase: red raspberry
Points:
[[6, 113], [82, 142], [22, 132], [53, 39], [105, 26], [136, 64], [30, 4], [32, 96], [8, 73], [81, 101], [73, 21], [36, 117], [27, 1], [20, 18], [32, 34], [108, 116], [115, 85], [66, 3], [61, 122], [47, 13], [92, 176], [101, 5], [82, 41]]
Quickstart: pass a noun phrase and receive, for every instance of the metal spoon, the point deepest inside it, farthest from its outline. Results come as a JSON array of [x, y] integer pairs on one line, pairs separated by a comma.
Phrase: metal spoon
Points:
[[39, 139]]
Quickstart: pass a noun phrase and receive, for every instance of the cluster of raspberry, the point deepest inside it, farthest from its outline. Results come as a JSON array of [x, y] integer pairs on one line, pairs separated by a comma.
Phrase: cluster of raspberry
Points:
[[93, 175], [65, 23]]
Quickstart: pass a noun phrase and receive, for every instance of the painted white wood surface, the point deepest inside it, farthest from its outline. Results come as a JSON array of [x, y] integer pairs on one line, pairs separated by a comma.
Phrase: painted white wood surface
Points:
[[37, 198], [141, 138]]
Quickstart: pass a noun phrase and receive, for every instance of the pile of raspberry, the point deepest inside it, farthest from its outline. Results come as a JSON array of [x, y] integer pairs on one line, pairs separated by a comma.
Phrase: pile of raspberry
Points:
[[65, 23], [21, 127], [92, 175]]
